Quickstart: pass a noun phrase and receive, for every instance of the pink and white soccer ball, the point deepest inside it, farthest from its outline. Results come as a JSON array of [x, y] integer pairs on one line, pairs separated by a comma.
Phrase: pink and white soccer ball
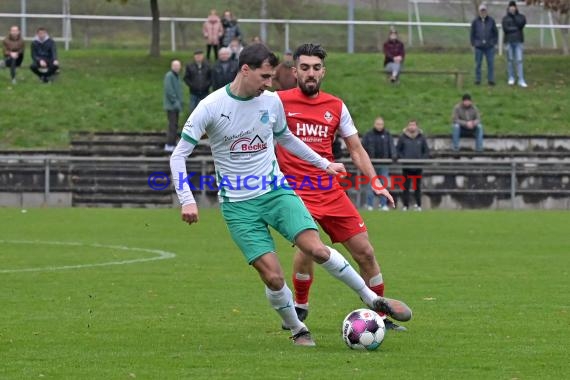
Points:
[[363, 329]]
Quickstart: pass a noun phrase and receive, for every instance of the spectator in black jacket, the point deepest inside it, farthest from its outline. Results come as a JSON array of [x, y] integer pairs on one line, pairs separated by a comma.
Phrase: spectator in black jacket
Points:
[[513, 25], [231, 29], [484, 38], [225, 70], [378, 143], [412, 144], [198, 77], [44, 56]]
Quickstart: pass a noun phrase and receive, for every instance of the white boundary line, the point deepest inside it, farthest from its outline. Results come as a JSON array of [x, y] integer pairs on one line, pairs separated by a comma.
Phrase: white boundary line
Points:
[[162, 255]]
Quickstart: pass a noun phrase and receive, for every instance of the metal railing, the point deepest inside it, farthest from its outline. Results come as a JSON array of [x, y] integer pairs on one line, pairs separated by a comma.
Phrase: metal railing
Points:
[[511, 167], [67, 18]]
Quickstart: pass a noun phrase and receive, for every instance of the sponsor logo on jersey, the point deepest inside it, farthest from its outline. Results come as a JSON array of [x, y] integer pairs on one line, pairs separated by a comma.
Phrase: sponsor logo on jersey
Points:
[[328, 117], [226, 116], [239, 135], [245, 147], [312, 132], [264, 116], [293, 113]]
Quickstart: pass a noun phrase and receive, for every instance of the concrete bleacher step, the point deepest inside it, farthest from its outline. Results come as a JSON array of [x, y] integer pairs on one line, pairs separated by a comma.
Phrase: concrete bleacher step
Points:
[[127, 144]]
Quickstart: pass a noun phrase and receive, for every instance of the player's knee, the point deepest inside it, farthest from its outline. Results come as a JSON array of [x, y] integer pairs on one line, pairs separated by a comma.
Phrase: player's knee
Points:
[[365, 256], [274, 281], [319, 253]]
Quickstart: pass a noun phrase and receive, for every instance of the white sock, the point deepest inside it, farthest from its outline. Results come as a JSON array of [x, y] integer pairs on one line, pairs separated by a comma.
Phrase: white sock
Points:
[[376, 280], [282, 301], [339, 268]]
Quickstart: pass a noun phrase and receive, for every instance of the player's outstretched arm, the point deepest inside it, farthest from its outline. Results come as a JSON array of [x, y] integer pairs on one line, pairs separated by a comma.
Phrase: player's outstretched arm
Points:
[[294, 145], [362, 162]]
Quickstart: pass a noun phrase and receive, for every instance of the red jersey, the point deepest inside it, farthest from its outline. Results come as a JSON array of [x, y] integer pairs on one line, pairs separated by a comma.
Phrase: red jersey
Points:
[[315, 121]]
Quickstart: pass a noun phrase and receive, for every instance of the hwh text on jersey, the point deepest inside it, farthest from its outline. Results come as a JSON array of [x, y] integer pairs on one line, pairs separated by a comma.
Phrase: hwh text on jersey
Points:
[[315, 130]]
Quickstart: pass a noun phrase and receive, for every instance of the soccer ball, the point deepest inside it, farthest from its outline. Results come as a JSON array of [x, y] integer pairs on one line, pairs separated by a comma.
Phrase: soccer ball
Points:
[[363, 329]]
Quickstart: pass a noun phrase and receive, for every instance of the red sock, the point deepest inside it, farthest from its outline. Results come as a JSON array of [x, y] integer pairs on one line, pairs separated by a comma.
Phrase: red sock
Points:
[[302, 289], [378, 289]]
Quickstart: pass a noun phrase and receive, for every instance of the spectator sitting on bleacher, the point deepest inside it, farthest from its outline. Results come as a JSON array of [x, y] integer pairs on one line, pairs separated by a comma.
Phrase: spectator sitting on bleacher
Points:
[[394, 54], [378, 144], [412, 144], [44, 56], [225, 70], [13, 51], [466, 117]]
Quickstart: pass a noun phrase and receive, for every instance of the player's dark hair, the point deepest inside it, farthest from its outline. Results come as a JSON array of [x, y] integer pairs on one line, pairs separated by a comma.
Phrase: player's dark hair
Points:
[[311, 50], [255, 55]]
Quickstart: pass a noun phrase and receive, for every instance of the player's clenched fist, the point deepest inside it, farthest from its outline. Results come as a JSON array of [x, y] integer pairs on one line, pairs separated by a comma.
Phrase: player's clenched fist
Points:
[[190, 213]]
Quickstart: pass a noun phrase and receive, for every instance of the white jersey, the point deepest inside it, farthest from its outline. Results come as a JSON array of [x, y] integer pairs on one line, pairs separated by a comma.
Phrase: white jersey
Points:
[[241, 132]]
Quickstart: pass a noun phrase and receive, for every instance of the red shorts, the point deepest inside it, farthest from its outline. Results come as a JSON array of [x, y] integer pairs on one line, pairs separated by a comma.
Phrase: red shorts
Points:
[[335, 213]]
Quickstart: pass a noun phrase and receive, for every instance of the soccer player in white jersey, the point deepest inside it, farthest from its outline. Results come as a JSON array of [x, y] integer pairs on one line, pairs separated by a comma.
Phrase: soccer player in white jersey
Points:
[[241, 120]]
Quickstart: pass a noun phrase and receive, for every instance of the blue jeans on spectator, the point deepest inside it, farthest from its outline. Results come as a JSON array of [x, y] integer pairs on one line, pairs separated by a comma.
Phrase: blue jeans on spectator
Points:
[[515, 55], [478, 130], [384, 172], [489, 54], [195, 99], [393, 69]]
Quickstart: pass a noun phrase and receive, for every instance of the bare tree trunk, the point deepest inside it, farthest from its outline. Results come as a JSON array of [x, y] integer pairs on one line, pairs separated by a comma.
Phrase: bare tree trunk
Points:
[[155, 39]]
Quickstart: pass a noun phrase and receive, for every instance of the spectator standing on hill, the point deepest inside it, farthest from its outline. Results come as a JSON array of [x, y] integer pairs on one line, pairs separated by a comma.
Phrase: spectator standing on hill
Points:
[[172, 103], [44, 56], [466, 117], [394, 54], [235, 48], [484, 38], [198, 77], [378, 144], [225, 70], [513, 25], [231, 29], [284, 78], [412, 144], [13, 45], [213, 31]]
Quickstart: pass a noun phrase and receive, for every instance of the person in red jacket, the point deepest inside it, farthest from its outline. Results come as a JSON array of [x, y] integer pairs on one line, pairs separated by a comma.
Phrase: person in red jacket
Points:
[[394, 55]]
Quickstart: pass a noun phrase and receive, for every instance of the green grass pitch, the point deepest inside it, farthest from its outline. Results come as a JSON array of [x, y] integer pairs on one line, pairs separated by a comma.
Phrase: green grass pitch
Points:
[[489, 292]]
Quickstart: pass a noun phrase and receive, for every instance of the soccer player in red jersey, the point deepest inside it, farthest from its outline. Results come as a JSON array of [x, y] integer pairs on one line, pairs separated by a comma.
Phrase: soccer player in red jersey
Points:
[[315, 117]]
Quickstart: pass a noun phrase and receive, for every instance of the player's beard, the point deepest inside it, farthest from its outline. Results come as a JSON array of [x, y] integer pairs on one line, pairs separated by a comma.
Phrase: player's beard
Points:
[[311, 90]]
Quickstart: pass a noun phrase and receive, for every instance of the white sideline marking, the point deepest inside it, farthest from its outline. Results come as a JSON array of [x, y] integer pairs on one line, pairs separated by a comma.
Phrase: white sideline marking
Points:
[[162, 255]]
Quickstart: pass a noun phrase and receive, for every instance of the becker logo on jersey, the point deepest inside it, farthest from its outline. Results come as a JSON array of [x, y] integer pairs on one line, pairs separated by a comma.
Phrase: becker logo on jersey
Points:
[[244, 148]]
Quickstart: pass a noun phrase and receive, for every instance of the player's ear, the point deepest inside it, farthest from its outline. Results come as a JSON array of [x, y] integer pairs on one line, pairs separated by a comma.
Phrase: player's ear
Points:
[[295, 71], [245, 69], [324, 71]]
